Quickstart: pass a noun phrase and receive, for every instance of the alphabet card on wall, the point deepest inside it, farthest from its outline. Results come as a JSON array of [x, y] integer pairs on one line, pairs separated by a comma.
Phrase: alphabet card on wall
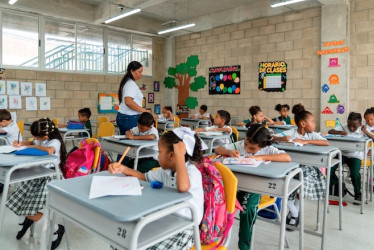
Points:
[[15, 102], [13, 88], [31, 103], [40, 89], [2, 88], [26, 88], [45, 103], [3, 102]]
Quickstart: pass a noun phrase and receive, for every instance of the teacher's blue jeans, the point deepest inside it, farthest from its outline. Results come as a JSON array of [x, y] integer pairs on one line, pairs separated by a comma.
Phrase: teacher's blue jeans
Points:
[[126, 122]]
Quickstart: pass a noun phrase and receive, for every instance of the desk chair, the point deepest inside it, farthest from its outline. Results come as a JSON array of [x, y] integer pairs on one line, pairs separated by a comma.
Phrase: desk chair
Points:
[[156, 123], [97, 150], [105, 129], [20, 125], [102, 119], [176, 118], [55, 121], [230, 183], [293, 122], [236, 133]]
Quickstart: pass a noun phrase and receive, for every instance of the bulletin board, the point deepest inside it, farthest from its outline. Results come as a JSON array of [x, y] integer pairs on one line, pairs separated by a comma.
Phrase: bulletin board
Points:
[[272, 76], [107, 103], [224, 80]]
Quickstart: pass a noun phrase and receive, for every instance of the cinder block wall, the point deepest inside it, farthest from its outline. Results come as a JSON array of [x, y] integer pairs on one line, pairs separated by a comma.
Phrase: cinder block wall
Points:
[[293, 38]]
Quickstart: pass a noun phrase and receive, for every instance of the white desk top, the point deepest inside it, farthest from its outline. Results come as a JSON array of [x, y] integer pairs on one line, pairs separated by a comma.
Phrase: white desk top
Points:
[[269, 170], [65, 130], [132, 142], [282, 126], [211, 137], [12, 159], [311, 149], [240, 128], [346, 138], [194, 119], [119, 208]]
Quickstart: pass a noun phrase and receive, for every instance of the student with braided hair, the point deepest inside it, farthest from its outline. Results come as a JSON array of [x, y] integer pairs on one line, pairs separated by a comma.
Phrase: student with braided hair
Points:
[[29, 200]]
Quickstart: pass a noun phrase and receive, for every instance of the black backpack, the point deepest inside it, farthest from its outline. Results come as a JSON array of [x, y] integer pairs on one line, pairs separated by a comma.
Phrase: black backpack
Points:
[[334, 190]]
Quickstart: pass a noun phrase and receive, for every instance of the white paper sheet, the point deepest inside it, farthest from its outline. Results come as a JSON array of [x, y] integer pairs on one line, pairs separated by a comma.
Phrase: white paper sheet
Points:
[[106, 103], [114, 185], [15, 102], [3, 102], [9, 149], [45, 103], [40, 89], [31, 103], [2, 87], [211, 133], [26, 88], [250, 162]]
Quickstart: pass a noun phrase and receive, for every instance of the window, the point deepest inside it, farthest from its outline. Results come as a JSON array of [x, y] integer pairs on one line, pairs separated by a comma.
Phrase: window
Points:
[[142, 52], [20, 40], [59, 45], [119, 52]]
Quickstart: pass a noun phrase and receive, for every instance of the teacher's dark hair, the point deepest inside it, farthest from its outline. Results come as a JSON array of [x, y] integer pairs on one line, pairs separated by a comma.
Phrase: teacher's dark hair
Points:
[[134, 65]]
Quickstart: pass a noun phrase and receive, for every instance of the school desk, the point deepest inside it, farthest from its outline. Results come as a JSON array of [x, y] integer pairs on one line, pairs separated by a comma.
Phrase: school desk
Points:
[[195, 123], [363, 144], [74, 134], [138, 148], [213, 141], [163, 125], [275, 179], [3, 140], [18, 168], [320, 156], [125, 222], [242, 132], [281, 128]]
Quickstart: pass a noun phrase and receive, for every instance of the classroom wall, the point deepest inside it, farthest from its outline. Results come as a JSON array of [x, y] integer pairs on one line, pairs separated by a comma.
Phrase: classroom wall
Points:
[[71, 91], [293, 37], [362, 55]]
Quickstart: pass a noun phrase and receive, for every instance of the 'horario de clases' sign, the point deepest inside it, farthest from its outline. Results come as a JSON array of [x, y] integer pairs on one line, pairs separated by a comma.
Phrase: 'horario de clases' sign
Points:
[[272, 76]]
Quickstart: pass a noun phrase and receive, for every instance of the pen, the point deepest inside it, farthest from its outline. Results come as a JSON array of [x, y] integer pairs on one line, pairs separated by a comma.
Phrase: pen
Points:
[[233, 143], [19, 132], [280, 131]]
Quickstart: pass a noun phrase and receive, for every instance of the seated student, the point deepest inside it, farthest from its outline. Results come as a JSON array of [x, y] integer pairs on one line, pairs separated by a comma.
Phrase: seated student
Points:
[[257, 145], [179, 150], [9, 126], [221, 122], [202, 113], [284, 118], [352, 158], [144, 131], [84, 115], [258, 117], [368, 128], [167, 114]]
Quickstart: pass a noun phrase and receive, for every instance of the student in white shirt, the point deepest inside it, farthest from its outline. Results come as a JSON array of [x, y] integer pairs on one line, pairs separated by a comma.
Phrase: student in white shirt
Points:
[[179, 149], [221, 122], [352, 158], [368, 128], [9, 126], [203, 114], [257, 145], [167, 114], [144, 131]]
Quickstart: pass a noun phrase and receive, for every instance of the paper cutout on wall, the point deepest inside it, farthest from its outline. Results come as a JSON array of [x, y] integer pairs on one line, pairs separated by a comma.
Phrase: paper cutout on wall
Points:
[[15, 102], [325, 88], [334, 79], [45, 103], [224, 80], [26, 88], [272, 76], [40, 89], [13, 88], [333, 99], [333, 51], [340, 109], [31, 103], [3, 102], [2, 87], [327, 110], [333, 62], [330, 123], [333, 43]]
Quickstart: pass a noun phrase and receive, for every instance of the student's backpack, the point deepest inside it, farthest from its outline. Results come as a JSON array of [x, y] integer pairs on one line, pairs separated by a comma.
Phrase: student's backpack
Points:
[[104, 162], [216, 222], [79, 162]]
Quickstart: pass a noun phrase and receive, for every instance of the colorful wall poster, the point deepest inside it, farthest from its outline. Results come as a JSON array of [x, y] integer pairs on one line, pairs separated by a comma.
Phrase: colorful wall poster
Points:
[[13, 88], [31, 103], [272, 76], [2, 87], [224, 80], [107, 103], [45, 103], [26, 88], [40, 89], [157, 109], [15, 102], [3, 102]]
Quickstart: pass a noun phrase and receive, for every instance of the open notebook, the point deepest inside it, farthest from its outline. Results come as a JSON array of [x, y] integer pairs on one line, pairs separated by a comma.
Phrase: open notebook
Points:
[[290, 143]]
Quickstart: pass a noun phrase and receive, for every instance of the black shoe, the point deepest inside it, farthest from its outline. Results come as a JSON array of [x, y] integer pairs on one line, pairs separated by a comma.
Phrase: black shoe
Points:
[[60, 232], [357, 199], [295, 224], [1, 188], [25, 225]]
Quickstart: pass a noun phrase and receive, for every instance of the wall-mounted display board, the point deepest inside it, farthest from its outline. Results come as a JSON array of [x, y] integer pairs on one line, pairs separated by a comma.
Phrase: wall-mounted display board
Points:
[[272, 76]]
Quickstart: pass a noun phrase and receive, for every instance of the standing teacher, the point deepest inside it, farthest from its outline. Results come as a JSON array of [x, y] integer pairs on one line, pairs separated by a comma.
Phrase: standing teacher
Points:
[[130, 97]]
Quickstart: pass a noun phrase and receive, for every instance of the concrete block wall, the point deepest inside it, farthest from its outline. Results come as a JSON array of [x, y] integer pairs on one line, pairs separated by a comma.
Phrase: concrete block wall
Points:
[[293, 38], [362, 55]]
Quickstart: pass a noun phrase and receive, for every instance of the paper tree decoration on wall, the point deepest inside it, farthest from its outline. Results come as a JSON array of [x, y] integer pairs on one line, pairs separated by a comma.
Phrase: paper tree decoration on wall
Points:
[[325, 88], [334, 79], [327, 110], [340, 109], [333, 99], [183, 73]]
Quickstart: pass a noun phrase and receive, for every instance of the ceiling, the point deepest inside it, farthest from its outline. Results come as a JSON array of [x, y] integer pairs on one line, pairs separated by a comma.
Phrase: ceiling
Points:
[[159, 14]]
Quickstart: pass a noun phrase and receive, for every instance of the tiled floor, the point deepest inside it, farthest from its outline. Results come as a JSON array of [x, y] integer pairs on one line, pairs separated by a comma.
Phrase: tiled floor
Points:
[[358, 231]]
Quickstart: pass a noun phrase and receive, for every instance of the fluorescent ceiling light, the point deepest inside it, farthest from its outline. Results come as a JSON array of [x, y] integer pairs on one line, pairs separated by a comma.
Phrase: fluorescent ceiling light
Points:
[[176, 28], [285, 3], [125, 14], [12, 1]]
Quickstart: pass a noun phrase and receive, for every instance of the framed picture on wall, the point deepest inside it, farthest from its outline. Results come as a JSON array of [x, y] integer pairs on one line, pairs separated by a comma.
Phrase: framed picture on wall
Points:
[[156, 86], [151, 97], [157, 109]]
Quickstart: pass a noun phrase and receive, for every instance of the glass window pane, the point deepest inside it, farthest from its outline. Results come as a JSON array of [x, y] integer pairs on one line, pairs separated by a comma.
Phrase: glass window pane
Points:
[[59, 45], [142, 52], [119, 52], [20, 40], [90, 49]]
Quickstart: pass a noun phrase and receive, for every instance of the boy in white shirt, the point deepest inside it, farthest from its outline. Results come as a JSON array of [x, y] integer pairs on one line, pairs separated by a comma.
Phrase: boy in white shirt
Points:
[[368, 128], [202, 113], [9, 126], [221, 122]]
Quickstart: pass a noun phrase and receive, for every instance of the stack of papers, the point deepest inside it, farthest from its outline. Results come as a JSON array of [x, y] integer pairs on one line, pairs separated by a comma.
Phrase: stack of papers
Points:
[[250, 162], [9, 149], [290, 143], [114, 185]]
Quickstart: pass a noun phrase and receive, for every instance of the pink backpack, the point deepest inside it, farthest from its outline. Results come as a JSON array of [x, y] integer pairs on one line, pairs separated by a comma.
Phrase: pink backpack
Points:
[[216, 222], [79, 162]]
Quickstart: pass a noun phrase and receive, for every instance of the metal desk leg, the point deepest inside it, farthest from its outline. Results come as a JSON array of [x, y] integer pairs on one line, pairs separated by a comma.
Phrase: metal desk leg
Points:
[[301, 213], [340, 191], [3, 200], [363, 188]]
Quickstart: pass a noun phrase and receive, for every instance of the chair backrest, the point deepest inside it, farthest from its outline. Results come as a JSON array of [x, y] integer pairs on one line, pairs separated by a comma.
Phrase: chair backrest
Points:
[[55, 121], [105, 129], [102, 119], [176, 118], [230, 185], [156, 123], [293, 122], [96, 150], [20, 125], [235, 132]]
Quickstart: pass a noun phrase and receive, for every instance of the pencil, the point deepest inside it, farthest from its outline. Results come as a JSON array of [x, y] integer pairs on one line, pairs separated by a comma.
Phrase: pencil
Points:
[[124, 154], [19, 133], [280, 131], [232, 139]]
